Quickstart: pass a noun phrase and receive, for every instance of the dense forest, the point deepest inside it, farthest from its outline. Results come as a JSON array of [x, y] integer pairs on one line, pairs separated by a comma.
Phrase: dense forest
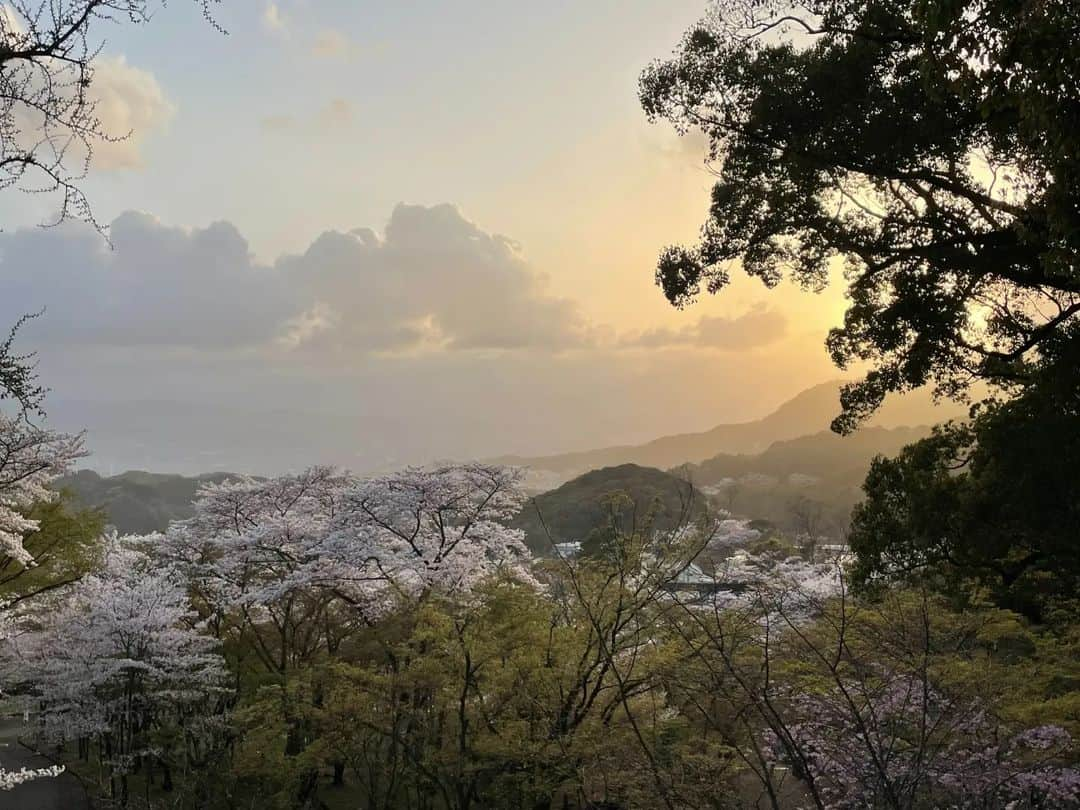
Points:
[[870, 617]]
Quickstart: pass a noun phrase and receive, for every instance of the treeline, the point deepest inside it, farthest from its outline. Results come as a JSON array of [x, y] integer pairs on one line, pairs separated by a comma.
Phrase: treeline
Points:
[[323, 641]]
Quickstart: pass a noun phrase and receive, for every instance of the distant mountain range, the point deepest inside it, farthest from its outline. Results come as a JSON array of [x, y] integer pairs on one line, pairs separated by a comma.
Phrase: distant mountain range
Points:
[[841, 460], [766, 465], [810, 412], [809, 484], [137, 502]]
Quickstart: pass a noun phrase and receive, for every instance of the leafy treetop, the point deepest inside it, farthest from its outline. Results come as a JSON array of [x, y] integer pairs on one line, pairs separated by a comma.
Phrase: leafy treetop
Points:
[[933, 146]]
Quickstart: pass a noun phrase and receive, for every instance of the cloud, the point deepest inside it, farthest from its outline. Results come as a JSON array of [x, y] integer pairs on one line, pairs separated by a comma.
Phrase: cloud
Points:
[[432, 282], [308, 326], [274, 20], [331, 44], [130, 104], [336, 114], [157, 286], [753, 329], [433, 279]]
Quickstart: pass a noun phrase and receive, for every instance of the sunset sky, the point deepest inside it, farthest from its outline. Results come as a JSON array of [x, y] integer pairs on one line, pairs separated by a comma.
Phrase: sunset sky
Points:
[[372, 233]]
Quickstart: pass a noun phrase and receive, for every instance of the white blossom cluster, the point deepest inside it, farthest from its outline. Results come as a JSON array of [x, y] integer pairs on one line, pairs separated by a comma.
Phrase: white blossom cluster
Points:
[[120, 649], [732, 532], [12, 779], [252, 543], [30, 457], [793, 584], [133, 647]]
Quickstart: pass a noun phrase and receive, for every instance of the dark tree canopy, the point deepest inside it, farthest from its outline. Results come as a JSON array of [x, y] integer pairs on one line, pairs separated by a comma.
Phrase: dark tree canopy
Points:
[[993, 506], [933, 147]]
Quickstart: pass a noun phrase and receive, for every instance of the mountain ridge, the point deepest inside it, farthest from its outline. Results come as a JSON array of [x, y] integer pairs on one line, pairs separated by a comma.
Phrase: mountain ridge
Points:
[[807, 413]]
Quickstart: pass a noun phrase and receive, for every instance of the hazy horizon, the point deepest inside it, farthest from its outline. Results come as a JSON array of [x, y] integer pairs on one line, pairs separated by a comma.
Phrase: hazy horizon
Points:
[[284, 312]]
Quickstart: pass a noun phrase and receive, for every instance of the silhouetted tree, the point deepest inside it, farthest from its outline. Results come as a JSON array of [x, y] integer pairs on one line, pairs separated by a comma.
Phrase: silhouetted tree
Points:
[[933, 146], [991, 505]]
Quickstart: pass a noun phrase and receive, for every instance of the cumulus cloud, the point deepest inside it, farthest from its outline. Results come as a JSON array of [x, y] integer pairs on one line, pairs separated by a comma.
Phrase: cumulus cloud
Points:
[[432, 281], [753, 329], [158, 285], [130, 105]]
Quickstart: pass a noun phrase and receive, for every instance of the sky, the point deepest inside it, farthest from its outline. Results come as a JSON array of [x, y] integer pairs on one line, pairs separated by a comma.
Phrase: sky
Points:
[[378, 233]]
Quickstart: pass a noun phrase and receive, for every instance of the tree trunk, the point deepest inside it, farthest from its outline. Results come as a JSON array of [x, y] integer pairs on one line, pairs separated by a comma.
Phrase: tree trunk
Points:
[[166, 777]]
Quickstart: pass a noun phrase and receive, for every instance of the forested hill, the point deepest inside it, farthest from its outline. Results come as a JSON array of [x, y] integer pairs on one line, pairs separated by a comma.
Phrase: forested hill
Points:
[[822, 466], [137, 502], [808, 413], [842, 460], [578, 506], [809, 484]]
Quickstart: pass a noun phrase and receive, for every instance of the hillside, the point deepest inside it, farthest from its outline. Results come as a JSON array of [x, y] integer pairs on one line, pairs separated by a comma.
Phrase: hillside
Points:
[[808, 484], [577, 507], [808, 413], [136, 501], [824, 455]]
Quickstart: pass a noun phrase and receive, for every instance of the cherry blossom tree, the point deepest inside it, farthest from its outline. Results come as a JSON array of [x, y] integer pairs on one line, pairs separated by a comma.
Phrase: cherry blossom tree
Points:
[[732, 532], [745, 580], [293, 565], [119, 662], [443, 528], [867, 705], [261, 568], [30, 457], [897, 740]]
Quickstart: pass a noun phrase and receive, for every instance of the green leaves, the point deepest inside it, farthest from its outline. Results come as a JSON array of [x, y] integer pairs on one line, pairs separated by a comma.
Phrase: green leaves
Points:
[[931, 146], [991, 504]]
